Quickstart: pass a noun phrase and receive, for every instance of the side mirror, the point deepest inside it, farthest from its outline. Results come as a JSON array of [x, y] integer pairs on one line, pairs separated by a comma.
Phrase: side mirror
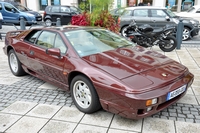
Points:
[[167, 18], [12, 10], [54, 52]]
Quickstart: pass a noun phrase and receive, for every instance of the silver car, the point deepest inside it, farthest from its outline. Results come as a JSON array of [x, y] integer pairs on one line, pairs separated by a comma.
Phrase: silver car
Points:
[[157, 17]]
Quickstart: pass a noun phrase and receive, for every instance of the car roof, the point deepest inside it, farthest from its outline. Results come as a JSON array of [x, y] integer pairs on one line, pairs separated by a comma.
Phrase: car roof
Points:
[[68, 28], [145, 7]]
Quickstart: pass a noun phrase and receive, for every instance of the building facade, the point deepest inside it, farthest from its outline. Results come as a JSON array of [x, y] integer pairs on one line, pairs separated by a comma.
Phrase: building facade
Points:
[[176, 5]]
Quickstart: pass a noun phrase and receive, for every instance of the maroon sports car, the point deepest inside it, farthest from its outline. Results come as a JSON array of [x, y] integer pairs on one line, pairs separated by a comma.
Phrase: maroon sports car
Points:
[[100, 68]]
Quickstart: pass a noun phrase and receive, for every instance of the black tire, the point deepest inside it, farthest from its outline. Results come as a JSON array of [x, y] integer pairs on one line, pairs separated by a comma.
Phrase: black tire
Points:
[[15, 64], [84, 95], [170, 46], [48, 22]]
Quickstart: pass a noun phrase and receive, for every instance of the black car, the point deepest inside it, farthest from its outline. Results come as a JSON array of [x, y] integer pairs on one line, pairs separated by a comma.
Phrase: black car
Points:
[[63, 12], [157, 17]]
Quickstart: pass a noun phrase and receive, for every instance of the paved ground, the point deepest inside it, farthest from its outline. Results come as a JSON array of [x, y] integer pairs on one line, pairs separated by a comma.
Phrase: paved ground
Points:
[[30, 105]]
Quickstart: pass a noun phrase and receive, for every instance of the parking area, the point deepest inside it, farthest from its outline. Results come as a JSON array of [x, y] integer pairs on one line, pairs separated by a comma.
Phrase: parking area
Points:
[[28, 104]]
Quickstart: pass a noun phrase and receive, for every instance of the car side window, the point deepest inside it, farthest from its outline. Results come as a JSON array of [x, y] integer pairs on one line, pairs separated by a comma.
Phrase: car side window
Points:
[[0, 6], [55, 9], [141, 13], [46, 39], [198, 11], [158, 13], [65, 10], [32, 36], [60, 44], [127, 13], [8, 7]]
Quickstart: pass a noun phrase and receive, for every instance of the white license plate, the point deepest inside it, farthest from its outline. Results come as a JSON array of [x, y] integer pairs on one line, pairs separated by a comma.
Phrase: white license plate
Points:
[[176, 92]]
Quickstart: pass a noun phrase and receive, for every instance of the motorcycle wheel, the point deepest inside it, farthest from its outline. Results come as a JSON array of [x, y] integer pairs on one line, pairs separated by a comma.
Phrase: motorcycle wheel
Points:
[[170, 46]]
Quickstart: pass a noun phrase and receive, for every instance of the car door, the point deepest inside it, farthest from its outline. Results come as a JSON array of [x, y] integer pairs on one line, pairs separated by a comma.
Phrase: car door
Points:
[[55, 13], [66, 15], [141, 16], [45, 65], [10, 13], [158, 18]]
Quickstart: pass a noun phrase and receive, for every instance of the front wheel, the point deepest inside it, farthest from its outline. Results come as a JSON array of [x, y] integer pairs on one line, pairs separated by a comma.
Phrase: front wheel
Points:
[[84, 94], [123, 31], [169, 44]]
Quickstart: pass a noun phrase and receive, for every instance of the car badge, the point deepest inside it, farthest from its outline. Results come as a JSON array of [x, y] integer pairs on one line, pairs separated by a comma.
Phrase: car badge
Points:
[[164, 74]]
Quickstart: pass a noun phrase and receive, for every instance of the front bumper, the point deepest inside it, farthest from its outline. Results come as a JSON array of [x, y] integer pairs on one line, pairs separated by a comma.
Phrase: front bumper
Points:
[[195, 30], [133, 108]]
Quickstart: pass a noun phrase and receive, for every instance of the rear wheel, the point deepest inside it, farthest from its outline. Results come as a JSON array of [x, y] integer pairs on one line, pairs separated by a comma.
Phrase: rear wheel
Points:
[[15, 64], [48, 22], [84, 94], [169, 45]]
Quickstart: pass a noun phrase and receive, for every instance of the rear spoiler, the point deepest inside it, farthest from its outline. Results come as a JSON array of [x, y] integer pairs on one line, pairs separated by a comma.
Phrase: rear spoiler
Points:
[[14, 33]]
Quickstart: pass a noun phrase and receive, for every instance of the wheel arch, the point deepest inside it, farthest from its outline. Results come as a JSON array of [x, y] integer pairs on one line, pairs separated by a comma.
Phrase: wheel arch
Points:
[[47, 17], [8, 49], [74, 74], [123, 27]]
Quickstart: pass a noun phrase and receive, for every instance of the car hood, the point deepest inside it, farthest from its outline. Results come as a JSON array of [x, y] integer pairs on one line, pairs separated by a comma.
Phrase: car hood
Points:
[[192, 16], [34, 13], [186, 18], [126, 62]]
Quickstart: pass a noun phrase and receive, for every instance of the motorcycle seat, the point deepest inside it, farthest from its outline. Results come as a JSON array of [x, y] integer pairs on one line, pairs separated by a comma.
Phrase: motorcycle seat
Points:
[[158, 30]]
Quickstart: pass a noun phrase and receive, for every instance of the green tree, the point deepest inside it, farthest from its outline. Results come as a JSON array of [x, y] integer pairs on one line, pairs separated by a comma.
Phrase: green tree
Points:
[[97, 7]]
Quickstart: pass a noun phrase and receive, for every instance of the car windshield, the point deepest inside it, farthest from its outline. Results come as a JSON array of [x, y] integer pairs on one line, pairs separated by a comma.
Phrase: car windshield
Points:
[[170, 13], [127, 13], [21, 8], [92, 41], [75, 9]]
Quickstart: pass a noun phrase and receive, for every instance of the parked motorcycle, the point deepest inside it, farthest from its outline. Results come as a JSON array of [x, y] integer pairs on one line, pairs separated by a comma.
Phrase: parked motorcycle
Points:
[[147, 36]]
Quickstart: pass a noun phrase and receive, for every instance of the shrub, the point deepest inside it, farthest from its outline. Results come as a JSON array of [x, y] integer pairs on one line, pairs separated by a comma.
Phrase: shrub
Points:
[[104, 19]]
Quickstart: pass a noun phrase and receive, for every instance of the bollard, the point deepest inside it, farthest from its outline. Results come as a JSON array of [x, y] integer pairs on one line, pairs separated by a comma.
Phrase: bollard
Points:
[[58, 23], [179, 34], [22, 23]]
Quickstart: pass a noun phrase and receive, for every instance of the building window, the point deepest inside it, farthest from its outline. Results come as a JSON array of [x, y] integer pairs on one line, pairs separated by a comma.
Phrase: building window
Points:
[[43, 4], [132, 2], [55, 2]]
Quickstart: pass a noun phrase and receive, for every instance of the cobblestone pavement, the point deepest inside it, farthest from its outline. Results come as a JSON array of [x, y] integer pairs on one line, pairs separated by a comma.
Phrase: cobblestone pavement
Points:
[[182, 117]]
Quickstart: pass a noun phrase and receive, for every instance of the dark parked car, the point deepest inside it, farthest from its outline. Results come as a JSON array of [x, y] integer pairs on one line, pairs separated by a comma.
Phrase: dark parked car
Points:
[[63, 12], [157, 17], [100, 68], [12, 13]]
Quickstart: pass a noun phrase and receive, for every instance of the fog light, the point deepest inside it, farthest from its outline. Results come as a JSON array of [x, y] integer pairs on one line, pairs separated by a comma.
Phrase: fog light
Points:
[[149, 108], [151, 101]]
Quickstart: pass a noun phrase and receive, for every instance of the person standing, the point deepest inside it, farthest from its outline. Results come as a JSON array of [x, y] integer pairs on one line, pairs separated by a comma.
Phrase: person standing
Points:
[[168, 6], [1, 20], [141, 3], [148, 4]]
